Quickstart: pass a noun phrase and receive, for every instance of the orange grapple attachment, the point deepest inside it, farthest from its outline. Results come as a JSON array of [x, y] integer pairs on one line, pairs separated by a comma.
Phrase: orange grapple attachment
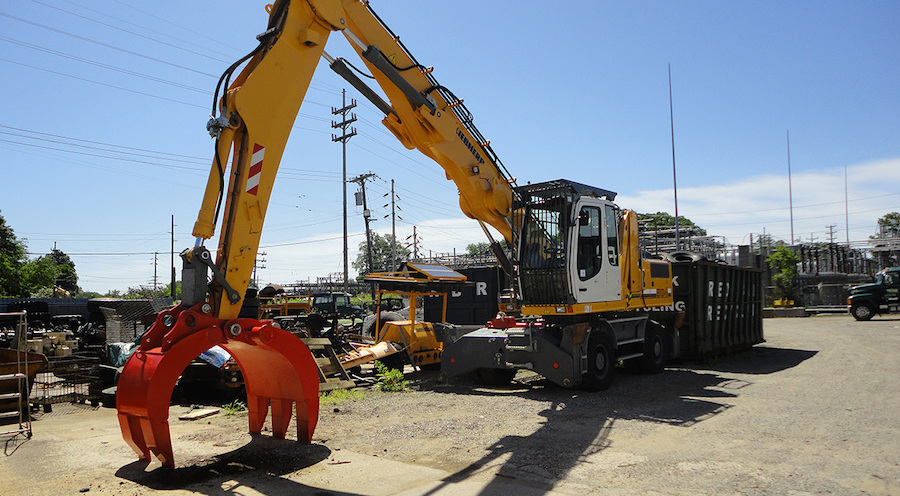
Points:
[[279, 373]]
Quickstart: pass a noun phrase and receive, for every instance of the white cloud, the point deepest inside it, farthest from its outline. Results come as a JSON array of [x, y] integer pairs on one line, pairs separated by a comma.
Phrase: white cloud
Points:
[[733, 210], [758, 203]]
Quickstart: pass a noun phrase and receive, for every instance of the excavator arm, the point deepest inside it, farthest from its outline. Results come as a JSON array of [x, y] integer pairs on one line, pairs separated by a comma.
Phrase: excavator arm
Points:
[[257, 111], [251, 124], [427, 116]]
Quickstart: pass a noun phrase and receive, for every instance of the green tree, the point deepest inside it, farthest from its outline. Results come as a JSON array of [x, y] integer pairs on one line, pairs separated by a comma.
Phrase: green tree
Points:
[[783, 263], [19, 276], [148, 292], [12, 259], [478, 248], [889, 226], [66, 278], [484, 248], [662, 220], [888, 232], [381, 254], [38, 276]]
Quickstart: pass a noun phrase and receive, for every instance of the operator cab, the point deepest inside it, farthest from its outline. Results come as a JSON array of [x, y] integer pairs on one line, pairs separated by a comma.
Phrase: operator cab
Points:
[[569, 246]]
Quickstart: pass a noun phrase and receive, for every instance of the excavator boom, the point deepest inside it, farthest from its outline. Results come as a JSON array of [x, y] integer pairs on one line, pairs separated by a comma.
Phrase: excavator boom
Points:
[[257, 111]]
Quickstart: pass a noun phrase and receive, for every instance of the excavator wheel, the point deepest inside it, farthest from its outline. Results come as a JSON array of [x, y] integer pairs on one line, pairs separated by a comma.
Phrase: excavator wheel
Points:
[[280, 374], [368, 327], [601, 359]]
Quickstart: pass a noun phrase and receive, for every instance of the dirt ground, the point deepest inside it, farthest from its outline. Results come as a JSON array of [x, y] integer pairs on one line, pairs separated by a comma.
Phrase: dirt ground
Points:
[[814, 410]]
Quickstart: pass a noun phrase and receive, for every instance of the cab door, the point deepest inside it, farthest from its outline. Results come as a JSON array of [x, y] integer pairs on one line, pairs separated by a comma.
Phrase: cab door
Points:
[[595, 273], [892, 290]]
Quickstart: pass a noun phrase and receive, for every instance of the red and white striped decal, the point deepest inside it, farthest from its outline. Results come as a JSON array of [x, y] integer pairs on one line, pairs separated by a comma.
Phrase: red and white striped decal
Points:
[[256, 163]]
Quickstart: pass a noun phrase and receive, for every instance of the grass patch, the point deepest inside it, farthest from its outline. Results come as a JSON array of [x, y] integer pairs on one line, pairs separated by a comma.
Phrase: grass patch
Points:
[[234, 408], [340, 396]]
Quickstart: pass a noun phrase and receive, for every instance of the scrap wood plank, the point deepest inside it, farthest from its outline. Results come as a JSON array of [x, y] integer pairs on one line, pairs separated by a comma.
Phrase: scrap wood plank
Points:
[[332, 374], [199, 413]]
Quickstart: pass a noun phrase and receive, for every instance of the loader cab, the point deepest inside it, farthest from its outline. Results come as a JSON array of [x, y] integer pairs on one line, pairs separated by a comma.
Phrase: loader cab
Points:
[[569, 244]]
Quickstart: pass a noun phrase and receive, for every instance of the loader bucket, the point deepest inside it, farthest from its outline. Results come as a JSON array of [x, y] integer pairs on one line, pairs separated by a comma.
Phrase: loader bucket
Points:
[[279, 372]]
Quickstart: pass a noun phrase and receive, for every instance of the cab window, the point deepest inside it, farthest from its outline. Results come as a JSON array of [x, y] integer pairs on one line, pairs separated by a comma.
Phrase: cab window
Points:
[[612, 235], [590, 243]]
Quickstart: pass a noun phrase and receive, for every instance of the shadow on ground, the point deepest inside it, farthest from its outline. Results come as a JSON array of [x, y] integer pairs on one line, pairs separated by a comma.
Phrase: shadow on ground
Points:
[[578, 424], [759, 360], [576, 428], [260, 465]]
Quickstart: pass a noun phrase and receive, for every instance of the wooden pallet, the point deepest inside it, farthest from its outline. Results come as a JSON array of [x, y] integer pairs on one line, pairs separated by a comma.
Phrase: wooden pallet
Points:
[[332, 374]]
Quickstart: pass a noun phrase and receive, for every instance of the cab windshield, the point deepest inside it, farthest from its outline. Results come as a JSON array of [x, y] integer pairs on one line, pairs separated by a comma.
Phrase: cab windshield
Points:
[[542, 254], [544, 236]]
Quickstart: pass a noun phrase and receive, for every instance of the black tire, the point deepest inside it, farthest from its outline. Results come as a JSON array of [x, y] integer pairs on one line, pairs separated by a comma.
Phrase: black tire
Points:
[[396, 361], [368, 327], [684, 256], [601, 360], [656, 350], [862, 311], [495, 377]]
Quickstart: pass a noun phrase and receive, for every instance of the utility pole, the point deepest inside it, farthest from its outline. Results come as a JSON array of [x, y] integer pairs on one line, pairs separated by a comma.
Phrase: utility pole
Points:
[[172, 287], [830, 228], [258, 264], [674, 176], [393, 227], [415, 244], [846, 208], [343, 138], [367, 214], [790, 188], [155, 265]]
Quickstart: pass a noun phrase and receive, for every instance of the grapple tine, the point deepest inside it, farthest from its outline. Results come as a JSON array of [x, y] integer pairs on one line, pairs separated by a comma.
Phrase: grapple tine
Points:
[[134, 436], [281, 416], [278, 369], [257, 409]]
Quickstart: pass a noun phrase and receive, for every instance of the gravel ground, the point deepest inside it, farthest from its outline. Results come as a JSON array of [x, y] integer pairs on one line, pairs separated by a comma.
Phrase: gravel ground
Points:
[[814, 410]]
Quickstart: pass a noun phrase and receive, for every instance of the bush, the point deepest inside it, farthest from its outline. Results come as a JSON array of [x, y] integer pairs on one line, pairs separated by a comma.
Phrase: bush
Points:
[[389, 379], [784, 263]]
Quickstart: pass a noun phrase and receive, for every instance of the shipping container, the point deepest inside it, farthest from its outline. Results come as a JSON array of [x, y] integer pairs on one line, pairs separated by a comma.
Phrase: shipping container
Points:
[[476, 303], [722, 307]]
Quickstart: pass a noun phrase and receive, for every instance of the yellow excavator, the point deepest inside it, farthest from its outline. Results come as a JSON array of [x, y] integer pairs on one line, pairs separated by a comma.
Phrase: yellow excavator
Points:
[[575, 261]]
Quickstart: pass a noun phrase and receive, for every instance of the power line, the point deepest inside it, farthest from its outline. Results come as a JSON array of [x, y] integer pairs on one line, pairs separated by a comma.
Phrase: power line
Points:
[[102, 84], [104, 66], [99, 254], [295, 243], [105, 45], [145, 14], [69, 138], [305, 174], [718, 213], [117, 28]]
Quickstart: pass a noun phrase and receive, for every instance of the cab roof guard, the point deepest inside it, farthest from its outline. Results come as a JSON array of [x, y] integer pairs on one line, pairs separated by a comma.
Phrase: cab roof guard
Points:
[[561, 187]]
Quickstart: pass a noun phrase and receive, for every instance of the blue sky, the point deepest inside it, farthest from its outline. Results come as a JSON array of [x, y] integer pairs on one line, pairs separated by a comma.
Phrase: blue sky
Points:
[[104, 105]]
